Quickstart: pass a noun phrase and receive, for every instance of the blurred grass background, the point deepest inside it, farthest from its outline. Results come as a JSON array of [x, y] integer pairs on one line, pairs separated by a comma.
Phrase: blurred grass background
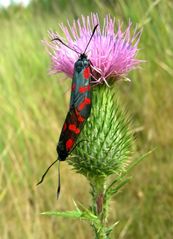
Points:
[[33, 106]]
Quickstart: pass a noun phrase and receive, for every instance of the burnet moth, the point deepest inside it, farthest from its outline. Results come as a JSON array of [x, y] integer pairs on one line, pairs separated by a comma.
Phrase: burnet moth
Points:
[[79, 110]]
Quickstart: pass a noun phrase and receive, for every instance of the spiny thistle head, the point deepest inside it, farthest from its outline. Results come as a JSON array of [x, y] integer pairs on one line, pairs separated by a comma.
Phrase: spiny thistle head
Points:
[[111, 52], [106, 139], [106, 142]]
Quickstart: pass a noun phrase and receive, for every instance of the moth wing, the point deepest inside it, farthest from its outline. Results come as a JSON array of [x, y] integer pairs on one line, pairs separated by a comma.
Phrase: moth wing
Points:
[[73, 90], [70, 131]]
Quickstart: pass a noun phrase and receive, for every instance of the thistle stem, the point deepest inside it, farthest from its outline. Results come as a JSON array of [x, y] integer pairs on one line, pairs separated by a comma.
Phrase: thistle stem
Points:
[[99, 207]]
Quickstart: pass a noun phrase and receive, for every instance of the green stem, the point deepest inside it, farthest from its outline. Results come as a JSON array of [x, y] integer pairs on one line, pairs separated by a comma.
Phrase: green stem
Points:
[[99, 206]]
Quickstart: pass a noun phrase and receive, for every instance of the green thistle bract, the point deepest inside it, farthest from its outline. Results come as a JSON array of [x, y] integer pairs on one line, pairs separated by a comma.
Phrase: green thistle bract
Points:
[[106, 141]]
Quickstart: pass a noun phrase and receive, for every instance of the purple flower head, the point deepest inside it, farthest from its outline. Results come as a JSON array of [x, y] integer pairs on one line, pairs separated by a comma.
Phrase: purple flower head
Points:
[[112, 54]]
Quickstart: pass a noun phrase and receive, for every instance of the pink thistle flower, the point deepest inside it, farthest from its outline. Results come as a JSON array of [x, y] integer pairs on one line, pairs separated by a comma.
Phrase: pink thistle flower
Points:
[[112, 54]]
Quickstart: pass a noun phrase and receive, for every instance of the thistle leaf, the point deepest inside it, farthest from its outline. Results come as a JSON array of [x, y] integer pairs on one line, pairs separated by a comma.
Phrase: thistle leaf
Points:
[[84, 215], [114, 190], [110, 228]]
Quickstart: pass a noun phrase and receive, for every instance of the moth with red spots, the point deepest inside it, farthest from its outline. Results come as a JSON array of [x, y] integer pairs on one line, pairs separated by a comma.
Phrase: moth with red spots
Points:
[[79, 110], [80, 107]]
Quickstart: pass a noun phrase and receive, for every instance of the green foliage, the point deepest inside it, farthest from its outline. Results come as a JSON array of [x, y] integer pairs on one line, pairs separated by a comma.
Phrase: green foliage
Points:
[[97, 214], [76, 214], [123, 178]]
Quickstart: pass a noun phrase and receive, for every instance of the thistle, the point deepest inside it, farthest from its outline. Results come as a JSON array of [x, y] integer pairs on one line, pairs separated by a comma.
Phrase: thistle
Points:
[[113, 54], [106, 144]]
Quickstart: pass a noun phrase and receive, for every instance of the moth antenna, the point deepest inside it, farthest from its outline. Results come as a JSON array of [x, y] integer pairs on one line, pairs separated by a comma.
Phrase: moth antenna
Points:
[[91, 38], [59, 180], [58, 39], [42, 178]]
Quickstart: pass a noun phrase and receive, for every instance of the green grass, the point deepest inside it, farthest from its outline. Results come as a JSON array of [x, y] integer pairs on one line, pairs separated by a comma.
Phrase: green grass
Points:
[[33, 106]]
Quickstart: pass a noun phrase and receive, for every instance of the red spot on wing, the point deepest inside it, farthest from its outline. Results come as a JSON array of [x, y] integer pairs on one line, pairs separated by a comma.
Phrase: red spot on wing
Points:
[[69, 144], [79, 117], [84, 89], [77, 131], [73, 128], [81, 106], [86, 101], [86, 73]]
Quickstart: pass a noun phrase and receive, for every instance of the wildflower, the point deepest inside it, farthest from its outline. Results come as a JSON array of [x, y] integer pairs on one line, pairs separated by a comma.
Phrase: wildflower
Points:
[[112, 54], [105, 145]]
